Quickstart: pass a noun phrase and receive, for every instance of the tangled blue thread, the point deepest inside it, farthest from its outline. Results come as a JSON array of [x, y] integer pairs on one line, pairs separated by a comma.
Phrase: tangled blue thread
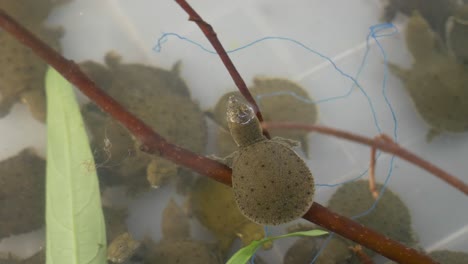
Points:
[[163, 38], [376, 32]]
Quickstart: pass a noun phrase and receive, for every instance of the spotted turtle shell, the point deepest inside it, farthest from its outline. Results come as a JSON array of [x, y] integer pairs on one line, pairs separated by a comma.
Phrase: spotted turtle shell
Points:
[[272, 185]]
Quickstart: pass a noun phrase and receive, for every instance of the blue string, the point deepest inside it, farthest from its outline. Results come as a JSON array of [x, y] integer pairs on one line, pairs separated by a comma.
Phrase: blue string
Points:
[[375, 33], [163, 38]]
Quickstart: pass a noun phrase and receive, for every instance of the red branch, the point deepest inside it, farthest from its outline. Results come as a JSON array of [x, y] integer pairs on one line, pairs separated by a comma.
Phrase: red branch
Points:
[[383, 143], [152, 142], [365, 236], [210, 34]]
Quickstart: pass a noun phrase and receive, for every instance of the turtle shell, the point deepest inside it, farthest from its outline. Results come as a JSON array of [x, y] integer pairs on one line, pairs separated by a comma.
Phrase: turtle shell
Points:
[[22, 203], [22, 75], [158, 97], [438, 90], [272, 184], [436, 82], [390, 216]]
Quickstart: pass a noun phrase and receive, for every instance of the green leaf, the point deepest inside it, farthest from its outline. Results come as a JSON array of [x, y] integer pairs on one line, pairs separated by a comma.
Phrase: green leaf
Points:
[[75, 231], [245, 253]]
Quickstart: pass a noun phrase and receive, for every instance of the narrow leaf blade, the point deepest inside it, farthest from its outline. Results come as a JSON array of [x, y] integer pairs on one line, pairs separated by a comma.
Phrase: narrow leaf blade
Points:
[[75, 231], [244, 254]]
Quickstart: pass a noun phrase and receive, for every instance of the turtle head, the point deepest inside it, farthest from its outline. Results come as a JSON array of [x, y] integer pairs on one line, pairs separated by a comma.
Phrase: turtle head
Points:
[[243, 124]]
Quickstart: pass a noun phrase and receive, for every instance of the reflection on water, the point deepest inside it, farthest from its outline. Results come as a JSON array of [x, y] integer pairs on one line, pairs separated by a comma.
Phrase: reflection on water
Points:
[[169, 97]]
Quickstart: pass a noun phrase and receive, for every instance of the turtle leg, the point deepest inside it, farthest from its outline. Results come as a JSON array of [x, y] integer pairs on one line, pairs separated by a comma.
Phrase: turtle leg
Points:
[[36, 101], [250, 231], [287, 142], [432, 133], [159, 171], [304, 145], [5, 106], [398, 71], [228, 160]]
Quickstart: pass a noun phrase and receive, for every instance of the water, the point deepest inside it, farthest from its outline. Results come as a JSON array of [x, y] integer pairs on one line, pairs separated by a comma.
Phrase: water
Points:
[[335, 29]]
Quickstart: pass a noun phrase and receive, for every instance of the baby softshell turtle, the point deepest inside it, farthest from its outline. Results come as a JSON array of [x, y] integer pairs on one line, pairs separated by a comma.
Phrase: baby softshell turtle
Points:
[[436, 82], [158, 97], [272, 185]]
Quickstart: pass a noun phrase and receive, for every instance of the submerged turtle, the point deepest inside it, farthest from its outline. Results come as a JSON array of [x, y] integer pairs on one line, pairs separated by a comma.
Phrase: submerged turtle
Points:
[[176, 245], [214, 206], [279, 100], [436, 82], [22, 203], [22, 75], [436, 12], [158, 97], [390, 216], [457, 34], [271, 183], [30, 12]]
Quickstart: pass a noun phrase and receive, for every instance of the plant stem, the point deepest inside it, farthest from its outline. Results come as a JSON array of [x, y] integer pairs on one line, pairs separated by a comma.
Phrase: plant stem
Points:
[[365, 236], [152, 142], [210, 34], [383, 143]]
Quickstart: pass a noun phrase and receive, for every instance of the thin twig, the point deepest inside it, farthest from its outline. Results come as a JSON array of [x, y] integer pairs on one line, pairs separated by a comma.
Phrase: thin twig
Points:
[[363, 257], [154, 143], [365, 236], [380, 143], [210, 34], [372, 187], [151, 141]]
